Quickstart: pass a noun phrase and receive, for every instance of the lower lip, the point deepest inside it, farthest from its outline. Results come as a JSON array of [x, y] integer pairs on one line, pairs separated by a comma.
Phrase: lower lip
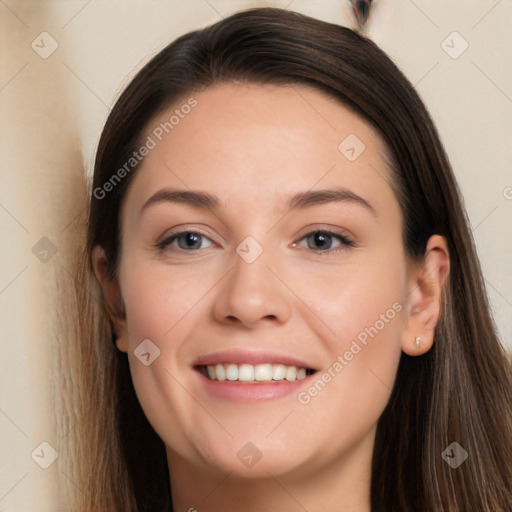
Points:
[[249, 392]]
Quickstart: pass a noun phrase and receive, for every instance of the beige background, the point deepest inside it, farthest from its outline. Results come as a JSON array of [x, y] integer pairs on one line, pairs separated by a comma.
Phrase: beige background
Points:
[[53, 109]]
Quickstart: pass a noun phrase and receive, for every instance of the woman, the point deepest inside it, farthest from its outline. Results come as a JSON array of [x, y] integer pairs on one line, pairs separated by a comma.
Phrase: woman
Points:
[[298, 313]]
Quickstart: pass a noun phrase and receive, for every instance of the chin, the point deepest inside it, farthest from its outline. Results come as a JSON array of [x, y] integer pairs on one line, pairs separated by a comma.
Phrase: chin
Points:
[[255, 460]]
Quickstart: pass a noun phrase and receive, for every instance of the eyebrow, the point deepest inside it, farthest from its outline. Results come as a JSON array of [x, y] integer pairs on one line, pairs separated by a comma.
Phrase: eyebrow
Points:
[[316, 197], [301, 200], [196, 199]]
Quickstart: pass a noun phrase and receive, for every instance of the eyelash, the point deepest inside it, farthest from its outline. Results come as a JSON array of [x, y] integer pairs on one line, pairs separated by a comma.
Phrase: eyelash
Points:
[[345, 241]]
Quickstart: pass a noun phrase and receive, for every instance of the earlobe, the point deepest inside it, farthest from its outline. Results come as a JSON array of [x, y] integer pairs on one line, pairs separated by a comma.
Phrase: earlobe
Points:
[[122, 344], [425, 297], [112, 297]]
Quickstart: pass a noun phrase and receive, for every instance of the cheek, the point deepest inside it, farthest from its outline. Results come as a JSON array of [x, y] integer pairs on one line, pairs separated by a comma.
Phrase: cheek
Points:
[[158, 297], [161, 393], [158, 303], [364, 291], [363, 306], [162, 305]]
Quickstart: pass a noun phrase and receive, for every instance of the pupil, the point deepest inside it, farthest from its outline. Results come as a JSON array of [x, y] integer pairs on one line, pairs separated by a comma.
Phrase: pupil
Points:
[[322, 240], [191, 239]]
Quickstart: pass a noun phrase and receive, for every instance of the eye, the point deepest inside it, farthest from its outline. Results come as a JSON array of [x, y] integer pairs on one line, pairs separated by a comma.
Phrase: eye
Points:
[[326, 241], [186, 240]]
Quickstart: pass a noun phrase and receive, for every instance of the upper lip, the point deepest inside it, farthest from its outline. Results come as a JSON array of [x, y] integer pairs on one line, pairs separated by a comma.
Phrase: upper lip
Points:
[[238, 356]]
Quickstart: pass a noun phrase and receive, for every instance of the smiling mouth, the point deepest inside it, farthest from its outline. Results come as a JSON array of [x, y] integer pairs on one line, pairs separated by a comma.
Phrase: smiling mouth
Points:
[[248, 373]]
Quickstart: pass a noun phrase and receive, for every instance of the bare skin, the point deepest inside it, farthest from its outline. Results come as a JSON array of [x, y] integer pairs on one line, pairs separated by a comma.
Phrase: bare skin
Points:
[[304, 296]]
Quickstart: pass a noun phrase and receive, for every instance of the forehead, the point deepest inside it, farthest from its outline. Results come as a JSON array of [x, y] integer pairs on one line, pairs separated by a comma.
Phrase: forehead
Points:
[[260, 143]]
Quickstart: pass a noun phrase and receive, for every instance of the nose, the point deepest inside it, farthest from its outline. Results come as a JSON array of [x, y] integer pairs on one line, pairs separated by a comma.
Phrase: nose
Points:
[[252, 293]]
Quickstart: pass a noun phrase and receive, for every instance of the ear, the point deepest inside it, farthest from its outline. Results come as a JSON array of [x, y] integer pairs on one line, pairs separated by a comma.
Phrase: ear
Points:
[[111, 296], [427, 280]]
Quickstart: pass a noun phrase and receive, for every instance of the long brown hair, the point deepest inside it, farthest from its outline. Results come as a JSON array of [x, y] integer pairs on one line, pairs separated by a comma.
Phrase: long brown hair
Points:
[[460, 391]]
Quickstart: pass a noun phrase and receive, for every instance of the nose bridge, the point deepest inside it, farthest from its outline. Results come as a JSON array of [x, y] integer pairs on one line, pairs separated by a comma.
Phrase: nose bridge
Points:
[[251, 292]]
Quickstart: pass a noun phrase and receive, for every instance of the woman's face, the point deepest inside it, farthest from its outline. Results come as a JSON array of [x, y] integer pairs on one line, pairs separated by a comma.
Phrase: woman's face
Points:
[[260, 234]]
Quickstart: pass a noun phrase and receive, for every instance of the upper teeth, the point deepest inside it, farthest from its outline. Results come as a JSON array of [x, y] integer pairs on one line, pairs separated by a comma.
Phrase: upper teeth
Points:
[[255, 373]]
